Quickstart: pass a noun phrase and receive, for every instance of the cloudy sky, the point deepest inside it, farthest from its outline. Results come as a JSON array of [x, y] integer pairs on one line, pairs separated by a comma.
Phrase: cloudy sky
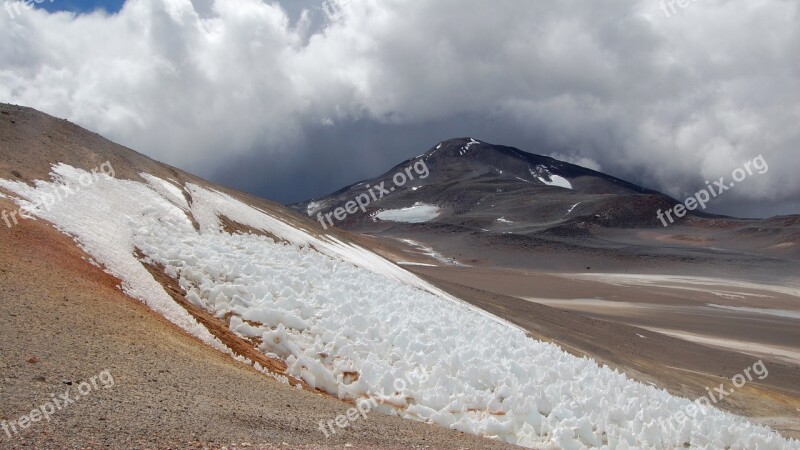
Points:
[[294, 99]]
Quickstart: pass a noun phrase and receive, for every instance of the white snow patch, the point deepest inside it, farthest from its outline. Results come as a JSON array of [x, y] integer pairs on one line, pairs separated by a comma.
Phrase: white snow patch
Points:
[[763, 311], [431, 252], [728, 296], [504, 220], [542, 173], [692, 283], [465, 148], [168, 190], [411, 263], [573, 207], [418, 213], [313, 207], [557, 181]]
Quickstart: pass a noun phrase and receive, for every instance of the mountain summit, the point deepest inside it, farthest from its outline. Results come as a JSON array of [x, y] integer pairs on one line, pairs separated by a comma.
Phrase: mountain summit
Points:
[[467, 158], [482, 186]]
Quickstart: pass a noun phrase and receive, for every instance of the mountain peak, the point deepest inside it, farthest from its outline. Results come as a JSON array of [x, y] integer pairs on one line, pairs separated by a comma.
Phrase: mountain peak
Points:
[[474, 184], [458, 147], [467, 157]]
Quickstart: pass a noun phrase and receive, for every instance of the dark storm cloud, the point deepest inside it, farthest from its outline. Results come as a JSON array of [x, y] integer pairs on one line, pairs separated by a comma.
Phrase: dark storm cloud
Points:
[[297, 99], [315, 166]]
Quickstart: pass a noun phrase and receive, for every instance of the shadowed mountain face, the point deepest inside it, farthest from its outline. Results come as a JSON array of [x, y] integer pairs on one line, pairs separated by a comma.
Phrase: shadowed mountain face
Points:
[[496, 188], [507, 202]]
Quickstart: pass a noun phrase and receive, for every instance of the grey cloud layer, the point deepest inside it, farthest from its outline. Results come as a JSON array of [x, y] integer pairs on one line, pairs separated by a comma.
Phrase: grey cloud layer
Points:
[[253, 95]]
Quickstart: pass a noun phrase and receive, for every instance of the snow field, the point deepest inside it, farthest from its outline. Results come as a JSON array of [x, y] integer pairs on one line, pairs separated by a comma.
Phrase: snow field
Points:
[[331, 309], [417, 213], [543, 174]]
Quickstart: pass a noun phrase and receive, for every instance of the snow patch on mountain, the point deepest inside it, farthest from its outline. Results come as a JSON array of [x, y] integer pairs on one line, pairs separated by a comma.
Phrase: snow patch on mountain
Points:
[[417, 213], [465, 148], [573, 207], [544, 175], [557, 181], [168, 190], [427, 251], [313, 207], [764, 311]]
